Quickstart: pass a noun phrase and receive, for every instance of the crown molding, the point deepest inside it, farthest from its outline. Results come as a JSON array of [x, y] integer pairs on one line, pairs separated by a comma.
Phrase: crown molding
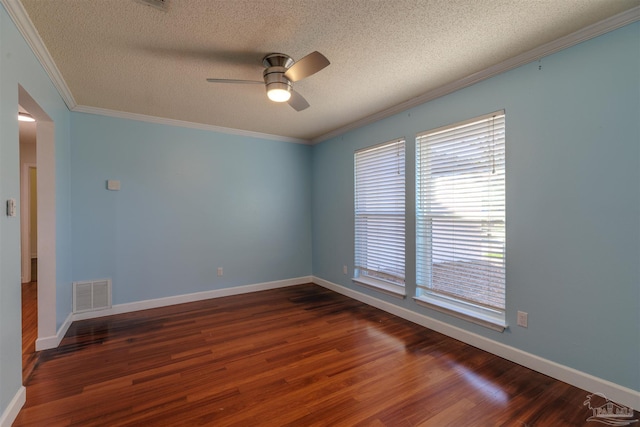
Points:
[[185, 124], [584, 34], [20, 17], [27, 29], [24, 24]]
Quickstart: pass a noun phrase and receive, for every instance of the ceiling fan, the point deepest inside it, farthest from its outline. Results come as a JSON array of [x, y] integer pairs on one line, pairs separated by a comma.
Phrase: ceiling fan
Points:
[[279, 74]]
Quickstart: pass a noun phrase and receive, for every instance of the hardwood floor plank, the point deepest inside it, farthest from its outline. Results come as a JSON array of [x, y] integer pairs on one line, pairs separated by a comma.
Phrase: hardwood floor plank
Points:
[[453, 415], [30, 356], [298, 356]]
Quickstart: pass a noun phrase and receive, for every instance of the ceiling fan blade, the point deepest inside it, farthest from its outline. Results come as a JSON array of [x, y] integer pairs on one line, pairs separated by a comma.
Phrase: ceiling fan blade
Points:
[[307, 66], [297, 101], [235, 81]]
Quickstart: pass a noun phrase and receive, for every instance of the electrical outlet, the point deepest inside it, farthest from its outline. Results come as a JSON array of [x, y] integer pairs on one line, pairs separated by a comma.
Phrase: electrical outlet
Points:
[[523, 319], [219, 271], [345, 270]]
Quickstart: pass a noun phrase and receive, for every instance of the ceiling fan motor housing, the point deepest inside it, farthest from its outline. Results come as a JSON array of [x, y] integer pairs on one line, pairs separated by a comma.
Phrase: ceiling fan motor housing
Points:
[[276, 65], [281, 72]]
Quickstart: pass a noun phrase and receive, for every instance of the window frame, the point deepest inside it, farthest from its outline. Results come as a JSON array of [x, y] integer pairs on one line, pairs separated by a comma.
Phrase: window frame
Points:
[[491, 315], [364, 273]]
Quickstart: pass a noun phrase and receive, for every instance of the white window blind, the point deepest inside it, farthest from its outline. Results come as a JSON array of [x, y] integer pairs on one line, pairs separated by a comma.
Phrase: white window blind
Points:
[[460, 216], [380, 212]]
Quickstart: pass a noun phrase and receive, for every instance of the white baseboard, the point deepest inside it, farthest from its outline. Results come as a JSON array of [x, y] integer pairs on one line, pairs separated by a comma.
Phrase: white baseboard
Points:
[[45, 343], [588, 382], [53, 341], [197, 296], [13, 409]]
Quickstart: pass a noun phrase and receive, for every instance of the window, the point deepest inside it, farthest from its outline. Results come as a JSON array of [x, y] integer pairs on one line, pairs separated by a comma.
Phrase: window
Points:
[[379, 216], [460, 219]]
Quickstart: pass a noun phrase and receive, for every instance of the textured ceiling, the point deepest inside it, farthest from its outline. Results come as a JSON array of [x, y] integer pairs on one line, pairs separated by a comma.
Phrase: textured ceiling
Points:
[[125, 56]]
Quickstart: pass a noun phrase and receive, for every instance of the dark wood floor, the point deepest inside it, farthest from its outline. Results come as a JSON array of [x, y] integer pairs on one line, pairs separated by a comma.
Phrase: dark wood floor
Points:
[[29, 328], [297, 356]]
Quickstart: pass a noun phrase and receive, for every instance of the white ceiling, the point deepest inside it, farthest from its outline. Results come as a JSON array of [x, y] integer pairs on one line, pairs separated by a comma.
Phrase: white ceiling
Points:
[[125, 56]]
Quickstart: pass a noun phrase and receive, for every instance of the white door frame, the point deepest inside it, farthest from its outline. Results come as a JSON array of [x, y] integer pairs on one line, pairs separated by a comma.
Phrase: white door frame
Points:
[[46, 177]]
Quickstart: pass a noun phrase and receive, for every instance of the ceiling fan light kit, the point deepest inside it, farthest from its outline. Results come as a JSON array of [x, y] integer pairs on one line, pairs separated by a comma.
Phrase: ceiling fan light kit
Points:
[[278, 86], [279, 92], [280, 73]]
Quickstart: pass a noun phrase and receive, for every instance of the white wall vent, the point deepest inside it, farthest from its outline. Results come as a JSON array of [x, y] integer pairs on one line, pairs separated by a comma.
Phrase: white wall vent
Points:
[[89, 296]]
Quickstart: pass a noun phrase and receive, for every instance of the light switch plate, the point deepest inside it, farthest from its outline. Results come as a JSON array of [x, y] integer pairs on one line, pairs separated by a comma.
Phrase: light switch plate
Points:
[[11, 207]]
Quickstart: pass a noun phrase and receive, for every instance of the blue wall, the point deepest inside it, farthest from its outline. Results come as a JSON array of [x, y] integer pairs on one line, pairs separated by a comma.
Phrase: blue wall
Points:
[[190, 201], [18, 66], [194, 200], [573, 202]]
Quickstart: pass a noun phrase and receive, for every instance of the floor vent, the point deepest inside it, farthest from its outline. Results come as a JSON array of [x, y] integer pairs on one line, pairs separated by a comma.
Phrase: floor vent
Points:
[[89, 296]]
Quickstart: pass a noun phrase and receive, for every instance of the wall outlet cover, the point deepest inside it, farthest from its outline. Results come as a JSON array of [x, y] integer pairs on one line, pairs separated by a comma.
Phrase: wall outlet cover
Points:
[[523, 319]]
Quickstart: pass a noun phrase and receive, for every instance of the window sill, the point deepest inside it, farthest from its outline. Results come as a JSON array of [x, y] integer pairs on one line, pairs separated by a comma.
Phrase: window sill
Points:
[[469, 315], [381, 286]]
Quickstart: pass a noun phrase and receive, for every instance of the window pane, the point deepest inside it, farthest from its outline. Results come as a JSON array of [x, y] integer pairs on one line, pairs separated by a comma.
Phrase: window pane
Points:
[[460, 214], [379, 212]]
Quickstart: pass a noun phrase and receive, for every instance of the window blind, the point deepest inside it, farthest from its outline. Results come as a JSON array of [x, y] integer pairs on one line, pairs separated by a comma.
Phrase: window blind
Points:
[[380, 212], [460, 213]]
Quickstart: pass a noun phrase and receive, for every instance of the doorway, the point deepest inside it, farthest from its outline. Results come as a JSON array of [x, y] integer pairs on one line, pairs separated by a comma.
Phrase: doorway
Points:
[[44, 314], [28, 240]]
